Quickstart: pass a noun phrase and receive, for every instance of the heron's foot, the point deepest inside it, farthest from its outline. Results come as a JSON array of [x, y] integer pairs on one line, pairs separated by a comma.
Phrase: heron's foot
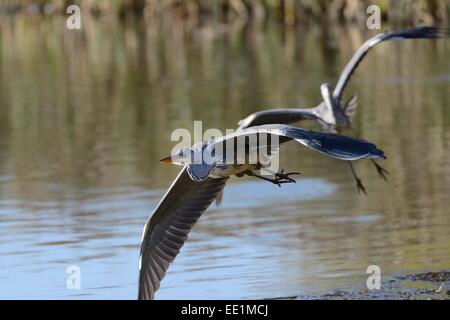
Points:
[[382, 172], [282, 177], [277, 180], [360, 186]]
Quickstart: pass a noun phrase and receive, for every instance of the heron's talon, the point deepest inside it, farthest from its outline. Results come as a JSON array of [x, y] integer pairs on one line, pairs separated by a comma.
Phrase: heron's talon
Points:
[[382, 172], [360, 187], [278, 181], [285, 177]]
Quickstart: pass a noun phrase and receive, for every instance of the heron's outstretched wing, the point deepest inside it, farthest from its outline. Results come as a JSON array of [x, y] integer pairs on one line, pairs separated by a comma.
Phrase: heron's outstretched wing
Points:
[[284, 116], [332, 145], [413, 33], [167, 229]]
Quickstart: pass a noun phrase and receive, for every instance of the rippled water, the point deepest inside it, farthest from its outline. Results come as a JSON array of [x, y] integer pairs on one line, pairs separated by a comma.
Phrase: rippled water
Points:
[[85, 116]]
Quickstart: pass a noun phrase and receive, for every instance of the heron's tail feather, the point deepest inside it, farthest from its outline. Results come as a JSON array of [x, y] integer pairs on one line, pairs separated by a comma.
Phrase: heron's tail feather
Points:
[[350, 107]]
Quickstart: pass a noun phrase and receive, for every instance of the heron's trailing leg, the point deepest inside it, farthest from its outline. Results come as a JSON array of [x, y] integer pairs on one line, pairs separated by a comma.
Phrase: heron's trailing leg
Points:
[[359, 183], [277, 180], [382, 172]]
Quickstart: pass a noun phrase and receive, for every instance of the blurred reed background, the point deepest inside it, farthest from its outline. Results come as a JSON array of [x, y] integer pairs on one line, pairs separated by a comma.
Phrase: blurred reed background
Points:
[[199, 12]]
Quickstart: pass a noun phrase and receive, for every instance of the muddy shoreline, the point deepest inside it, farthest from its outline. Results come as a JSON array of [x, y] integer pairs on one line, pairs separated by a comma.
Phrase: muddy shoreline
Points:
[[414, 286]]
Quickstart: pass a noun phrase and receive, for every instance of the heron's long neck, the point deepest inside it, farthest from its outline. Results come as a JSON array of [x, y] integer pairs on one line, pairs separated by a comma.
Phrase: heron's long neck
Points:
[[325, 114], [332, 113]]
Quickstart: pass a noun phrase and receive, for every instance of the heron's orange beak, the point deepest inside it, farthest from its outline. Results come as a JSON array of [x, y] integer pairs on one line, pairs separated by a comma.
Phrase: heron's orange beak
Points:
[[166, 160]]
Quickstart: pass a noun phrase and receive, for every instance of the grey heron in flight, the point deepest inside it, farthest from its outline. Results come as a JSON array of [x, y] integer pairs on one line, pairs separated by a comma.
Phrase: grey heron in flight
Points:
[[200, 182], [331, 113]]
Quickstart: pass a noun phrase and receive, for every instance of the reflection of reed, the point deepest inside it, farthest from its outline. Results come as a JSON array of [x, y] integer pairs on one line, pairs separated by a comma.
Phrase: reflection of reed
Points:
[[200, 12]]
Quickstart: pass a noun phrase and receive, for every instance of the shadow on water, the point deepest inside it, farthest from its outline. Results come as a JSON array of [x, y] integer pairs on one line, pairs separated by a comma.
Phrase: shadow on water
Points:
[[85, 116]]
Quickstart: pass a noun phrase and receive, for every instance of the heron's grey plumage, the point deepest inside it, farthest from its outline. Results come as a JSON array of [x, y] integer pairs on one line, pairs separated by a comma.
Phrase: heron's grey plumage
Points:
[[200, 171]]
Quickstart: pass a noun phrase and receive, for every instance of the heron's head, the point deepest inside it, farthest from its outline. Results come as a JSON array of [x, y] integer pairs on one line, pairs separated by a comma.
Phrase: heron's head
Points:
[[181, 157]]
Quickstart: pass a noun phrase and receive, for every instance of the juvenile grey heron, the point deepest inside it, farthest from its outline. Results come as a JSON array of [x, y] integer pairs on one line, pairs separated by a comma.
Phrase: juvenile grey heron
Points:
[[331, 113], [200, 182]]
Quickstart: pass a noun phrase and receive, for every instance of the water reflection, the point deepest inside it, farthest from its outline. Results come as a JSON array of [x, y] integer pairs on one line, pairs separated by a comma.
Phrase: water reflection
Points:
[[85, 116]]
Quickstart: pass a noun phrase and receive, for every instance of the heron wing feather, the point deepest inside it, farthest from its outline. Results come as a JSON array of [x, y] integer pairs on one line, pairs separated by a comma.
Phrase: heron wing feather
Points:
[[332, 145], [284, 116], [426, 32], [168, 227]]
